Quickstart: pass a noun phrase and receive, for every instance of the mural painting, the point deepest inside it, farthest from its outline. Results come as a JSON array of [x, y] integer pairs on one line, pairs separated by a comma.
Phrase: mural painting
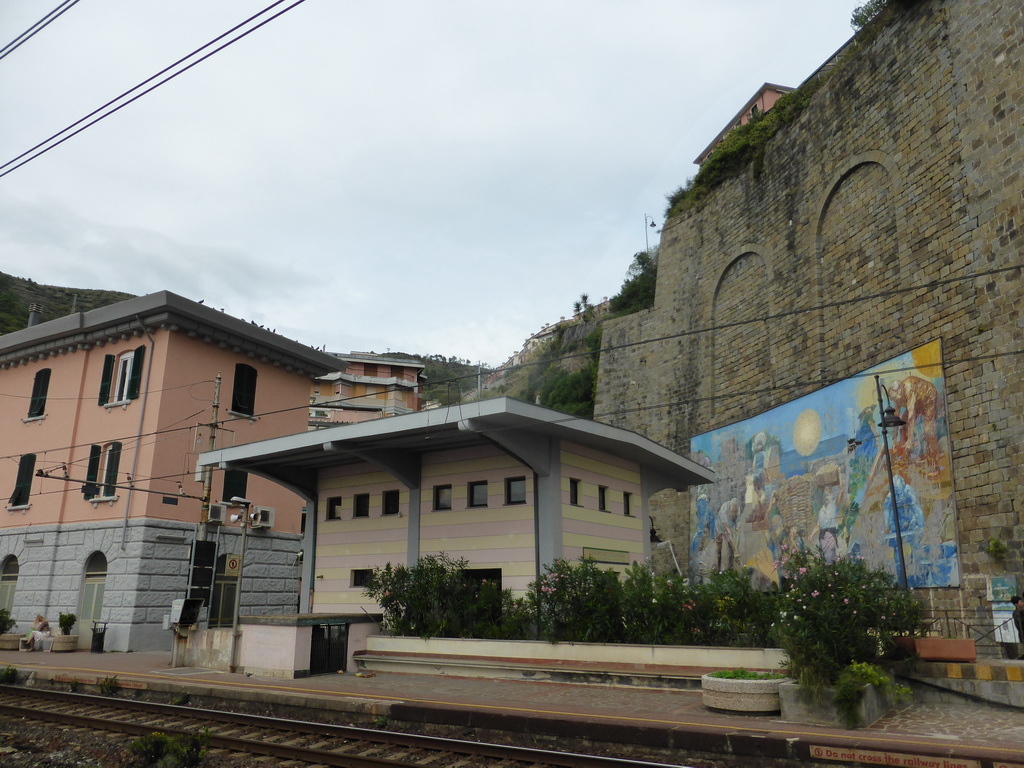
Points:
[[811, 474]]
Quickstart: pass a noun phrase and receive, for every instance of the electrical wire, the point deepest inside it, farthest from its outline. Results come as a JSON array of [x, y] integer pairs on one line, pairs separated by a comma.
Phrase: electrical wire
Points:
[[99, 114], [36, 28]]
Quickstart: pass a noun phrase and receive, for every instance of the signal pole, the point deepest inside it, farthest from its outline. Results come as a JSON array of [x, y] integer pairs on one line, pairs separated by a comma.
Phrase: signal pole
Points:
[[204, 513]]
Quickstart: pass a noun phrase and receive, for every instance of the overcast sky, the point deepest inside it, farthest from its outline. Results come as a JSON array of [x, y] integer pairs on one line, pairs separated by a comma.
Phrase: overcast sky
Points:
[[432, 177]]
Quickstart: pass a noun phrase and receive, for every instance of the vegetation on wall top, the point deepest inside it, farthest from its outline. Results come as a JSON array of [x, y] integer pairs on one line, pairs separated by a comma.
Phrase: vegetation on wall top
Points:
[[745, 145]]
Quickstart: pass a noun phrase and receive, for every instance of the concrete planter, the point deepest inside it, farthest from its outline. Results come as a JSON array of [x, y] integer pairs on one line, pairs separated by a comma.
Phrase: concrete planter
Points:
[[64, 643], [946, 649], [802, 706], [10, 642], [737, 695]]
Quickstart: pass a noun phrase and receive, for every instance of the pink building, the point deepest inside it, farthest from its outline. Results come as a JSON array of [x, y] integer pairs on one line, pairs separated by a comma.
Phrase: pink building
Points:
[[506, 485], [104, 415], [368, 387], [759, 103]]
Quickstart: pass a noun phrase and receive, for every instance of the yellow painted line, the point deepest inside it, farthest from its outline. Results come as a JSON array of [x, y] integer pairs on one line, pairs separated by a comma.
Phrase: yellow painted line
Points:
[[1013, 674], [984, 672]]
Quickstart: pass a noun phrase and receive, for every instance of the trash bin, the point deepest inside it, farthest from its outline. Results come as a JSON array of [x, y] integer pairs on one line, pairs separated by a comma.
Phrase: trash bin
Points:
[[99, 632]]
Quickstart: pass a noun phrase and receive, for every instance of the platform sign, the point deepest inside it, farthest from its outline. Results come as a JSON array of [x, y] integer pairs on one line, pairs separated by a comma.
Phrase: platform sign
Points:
[[233, 565]]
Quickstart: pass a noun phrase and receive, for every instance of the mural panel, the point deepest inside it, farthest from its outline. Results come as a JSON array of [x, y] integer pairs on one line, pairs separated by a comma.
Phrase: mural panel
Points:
[[812, 474]]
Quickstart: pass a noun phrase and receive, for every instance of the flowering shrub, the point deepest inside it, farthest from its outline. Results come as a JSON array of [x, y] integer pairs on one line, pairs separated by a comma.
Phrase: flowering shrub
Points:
[[577, 602], [667, 609], [835, 614], [438, 598]]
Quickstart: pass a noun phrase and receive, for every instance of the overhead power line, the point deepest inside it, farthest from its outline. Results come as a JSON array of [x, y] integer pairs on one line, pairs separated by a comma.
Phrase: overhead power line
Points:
[[36, 28], [137, 92]]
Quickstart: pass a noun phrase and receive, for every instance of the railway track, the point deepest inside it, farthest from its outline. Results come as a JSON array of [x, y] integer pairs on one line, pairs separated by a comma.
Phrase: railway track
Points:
[[296, 741]]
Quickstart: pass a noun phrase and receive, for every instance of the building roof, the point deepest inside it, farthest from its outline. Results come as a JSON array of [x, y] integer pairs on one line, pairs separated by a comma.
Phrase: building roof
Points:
[[295, 459], [169, 311]]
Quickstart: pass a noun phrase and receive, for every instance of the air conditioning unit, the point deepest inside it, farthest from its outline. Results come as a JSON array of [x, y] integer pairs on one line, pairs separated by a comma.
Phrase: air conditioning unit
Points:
[[218, 514], [262, 517]]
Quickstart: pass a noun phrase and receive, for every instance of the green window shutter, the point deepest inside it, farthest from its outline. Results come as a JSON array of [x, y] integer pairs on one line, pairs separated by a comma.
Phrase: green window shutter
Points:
[[135, 379], [90, 488], [110, 471], [37, 405], [235, 484], [23, 485], [108, 374]]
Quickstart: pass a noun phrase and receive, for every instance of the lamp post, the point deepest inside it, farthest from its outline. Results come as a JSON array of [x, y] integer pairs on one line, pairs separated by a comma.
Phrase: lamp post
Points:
[[648, 222], [890, 419], [243, 519]]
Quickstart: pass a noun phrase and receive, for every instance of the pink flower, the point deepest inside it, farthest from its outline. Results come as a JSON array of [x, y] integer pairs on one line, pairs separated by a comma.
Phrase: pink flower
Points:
[[846, 601], [803, 570], [815, 593]]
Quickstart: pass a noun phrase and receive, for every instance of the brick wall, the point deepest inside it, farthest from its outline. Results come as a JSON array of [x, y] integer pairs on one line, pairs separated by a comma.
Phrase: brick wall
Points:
[[886, 216]]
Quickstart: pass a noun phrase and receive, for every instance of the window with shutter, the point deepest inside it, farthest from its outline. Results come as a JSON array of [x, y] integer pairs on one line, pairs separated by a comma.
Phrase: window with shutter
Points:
[[243, 396], [23, 484], [40, 386]]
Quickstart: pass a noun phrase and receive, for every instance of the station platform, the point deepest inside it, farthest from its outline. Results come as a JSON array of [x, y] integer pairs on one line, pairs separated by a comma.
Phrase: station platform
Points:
[[670, 725]]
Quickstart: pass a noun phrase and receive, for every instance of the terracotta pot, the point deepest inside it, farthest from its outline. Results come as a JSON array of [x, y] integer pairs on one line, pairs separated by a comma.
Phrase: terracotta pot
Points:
[[946, 649]]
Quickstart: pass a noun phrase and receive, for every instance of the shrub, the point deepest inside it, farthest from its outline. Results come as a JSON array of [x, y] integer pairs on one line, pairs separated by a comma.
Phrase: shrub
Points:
[[850, 689], [183, 751], [7, 623], [66, 622], [437, 597], [835, 614], [745, 674], [577, 603], [9, 675]]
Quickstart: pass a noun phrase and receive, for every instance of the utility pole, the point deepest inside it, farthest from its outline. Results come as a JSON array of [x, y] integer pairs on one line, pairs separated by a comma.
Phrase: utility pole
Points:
[[204, 514]]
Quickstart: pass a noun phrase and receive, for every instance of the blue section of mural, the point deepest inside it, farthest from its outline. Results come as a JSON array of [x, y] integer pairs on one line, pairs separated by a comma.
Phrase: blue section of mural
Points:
[[812, 474]]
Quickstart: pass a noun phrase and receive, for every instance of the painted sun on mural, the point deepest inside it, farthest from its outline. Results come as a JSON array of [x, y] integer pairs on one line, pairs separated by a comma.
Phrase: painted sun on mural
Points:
[[812, 474]]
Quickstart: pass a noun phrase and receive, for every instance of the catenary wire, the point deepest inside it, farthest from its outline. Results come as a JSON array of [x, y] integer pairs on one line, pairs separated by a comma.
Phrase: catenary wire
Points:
[[36, 28], [99, 114]]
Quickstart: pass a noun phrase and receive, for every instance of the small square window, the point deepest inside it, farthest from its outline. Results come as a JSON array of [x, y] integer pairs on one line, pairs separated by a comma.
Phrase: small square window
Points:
[[391, 500], [515, 490], [477, 493], [361, 505], [361, 577], [627, 503], [574, 491], [602, 498], [333, 507], [442, 497]]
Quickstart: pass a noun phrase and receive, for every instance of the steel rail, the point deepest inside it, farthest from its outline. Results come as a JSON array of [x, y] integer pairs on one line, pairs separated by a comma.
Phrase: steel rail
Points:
[[41, 704]]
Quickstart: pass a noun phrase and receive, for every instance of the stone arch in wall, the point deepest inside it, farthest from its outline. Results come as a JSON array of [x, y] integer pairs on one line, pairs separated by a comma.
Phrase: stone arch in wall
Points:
[[857, 248], [740, 344]]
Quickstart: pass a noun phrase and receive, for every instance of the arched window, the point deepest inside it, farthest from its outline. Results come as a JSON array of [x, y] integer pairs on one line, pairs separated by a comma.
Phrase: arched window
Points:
[[8, 583]]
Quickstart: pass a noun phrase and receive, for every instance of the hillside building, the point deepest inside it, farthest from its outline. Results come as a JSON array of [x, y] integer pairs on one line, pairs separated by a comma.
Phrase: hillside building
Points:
[[368, 386], [104, 413]]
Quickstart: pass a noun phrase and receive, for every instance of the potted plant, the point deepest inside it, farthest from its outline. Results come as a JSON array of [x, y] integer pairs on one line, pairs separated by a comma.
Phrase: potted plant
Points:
[[741, 690], [8, 641], [837, 619], [65, 641]]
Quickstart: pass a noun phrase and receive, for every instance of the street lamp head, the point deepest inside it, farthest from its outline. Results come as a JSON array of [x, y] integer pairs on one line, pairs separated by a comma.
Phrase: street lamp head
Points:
[[238, 501], [890, 419]]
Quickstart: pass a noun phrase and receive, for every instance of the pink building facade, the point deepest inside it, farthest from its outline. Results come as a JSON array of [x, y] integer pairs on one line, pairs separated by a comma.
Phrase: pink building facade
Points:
[[104, 415], [507, 485]]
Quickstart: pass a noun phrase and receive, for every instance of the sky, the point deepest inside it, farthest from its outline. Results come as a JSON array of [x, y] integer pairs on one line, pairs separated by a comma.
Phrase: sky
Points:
[[427, 177]]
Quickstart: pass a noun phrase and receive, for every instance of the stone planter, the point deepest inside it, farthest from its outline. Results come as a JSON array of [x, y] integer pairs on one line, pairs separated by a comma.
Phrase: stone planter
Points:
[[10, 642], [801, 706], [64, 643], [735, 695], [946, 649]]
